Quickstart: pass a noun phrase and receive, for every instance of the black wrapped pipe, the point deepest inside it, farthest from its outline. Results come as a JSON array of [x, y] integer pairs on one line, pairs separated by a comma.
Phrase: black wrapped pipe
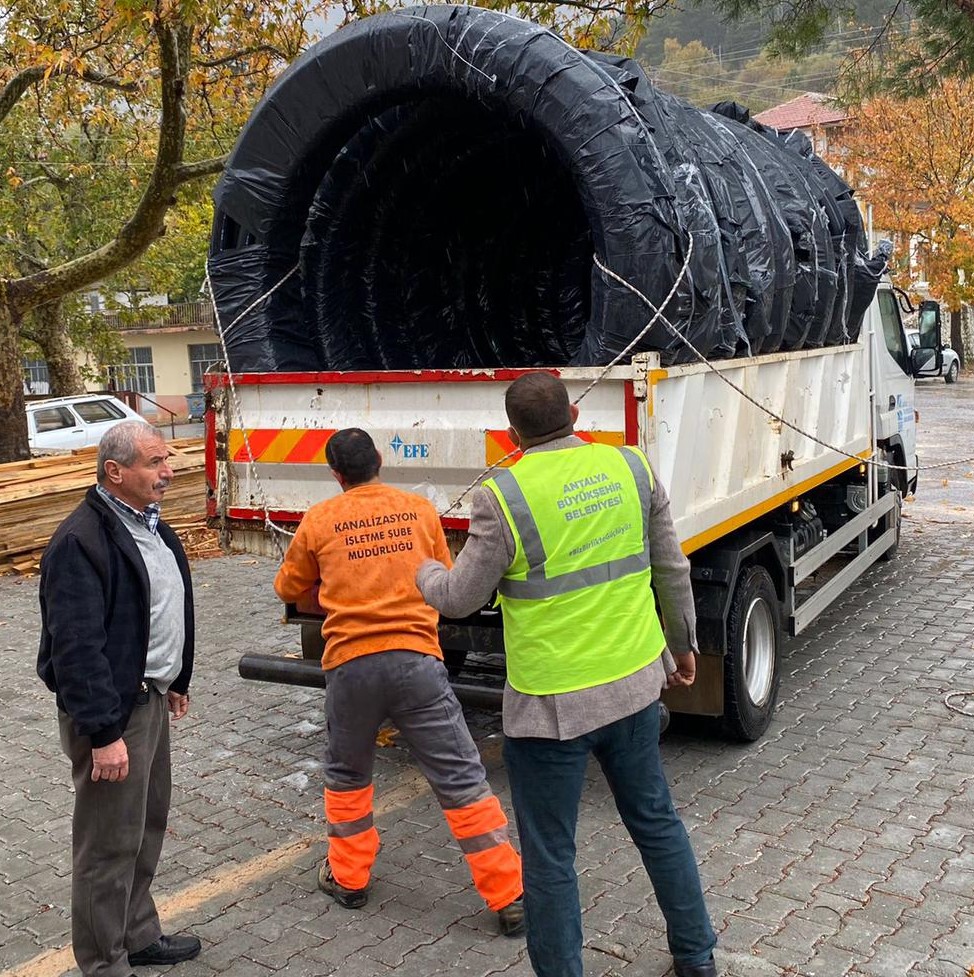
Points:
[[443, 175]]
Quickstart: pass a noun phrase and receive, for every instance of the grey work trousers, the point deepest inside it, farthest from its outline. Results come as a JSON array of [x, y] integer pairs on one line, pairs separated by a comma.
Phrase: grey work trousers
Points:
[[412, 690], [117, 835]]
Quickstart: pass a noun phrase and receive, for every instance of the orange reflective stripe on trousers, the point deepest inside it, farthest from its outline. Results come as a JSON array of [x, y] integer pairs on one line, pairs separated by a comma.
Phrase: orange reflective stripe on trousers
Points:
[[481, 830], [353, 841]]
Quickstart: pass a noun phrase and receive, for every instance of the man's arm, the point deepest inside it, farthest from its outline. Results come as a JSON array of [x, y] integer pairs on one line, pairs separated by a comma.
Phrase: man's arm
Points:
[[441, 550], [81, 671], [299, 572], [74, 616], [671, 582], [485, 557]]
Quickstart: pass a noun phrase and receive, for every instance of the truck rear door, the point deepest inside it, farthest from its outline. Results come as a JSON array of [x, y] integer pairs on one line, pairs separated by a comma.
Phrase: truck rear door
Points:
[[437, 432]]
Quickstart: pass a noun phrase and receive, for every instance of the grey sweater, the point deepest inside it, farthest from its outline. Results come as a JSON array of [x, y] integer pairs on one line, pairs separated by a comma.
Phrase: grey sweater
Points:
[[167, 628], [485, 557]]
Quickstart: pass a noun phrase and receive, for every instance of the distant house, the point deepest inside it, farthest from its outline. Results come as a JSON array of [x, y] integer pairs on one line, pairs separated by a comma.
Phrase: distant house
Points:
[[819, 116], [168, 348]]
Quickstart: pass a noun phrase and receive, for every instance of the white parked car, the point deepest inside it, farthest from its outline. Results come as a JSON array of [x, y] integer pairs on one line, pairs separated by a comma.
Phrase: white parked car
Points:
[[951, 361], [62, 423]]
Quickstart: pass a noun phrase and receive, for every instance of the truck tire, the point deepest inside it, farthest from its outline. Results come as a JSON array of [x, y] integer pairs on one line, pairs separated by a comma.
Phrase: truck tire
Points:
[[752, 668], [312, 643], [952, 373]]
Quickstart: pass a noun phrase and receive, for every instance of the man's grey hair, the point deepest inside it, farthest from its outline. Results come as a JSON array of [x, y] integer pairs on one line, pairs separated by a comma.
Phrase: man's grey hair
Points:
[[121, 443]]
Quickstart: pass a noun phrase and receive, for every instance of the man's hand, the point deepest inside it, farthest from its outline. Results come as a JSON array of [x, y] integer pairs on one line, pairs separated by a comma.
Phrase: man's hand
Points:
[[110, 762], [686, 670], [178, 704]]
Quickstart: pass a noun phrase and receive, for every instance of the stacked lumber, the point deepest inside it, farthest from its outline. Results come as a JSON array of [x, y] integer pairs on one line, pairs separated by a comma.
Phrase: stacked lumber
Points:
[[38, 494], [199, 541]]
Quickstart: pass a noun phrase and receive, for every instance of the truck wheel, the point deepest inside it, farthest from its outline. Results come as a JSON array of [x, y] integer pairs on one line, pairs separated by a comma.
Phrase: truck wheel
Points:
[[752, 669], [312, 643], [952, 373]]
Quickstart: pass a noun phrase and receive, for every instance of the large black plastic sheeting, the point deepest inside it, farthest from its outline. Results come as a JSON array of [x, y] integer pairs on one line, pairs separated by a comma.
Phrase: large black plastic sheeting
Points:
[[442, 177]]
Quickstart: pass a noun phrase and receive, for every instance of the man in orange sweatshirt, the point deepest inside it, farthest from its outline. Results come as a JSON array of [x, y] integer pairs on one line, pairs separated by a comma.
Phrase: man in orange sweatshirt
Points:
[[383, 660]]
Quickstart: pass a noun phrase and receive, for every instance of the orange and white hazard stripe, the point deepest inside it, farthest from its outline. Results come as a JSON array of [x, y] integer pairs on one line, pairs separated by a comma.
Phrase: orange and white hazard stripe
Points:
[[497, 444], [299, 446]]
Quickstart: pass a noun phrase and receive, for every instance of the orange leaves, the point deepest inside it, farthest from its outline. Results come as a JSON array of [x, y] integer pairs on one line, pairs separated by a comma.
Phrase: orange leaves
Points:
[[913, 161]]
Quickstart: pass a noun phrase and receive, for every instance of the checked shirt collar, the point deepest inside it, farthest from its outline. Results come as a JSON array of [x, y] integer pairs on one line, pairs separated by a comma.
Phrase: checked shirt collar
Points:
[[148, 518]]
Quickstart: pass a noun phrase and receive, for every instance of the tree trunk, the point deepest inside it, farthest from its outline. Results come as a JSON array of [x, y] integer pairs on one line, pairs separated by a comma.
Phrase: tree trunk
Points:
[[957, 335], [13, 418], [50, 331]]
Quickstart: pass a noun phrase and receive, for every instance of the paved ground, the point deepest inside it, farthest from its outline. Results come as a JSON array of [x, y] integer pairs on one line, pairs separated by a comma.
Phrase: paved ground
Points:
[[843, 843]]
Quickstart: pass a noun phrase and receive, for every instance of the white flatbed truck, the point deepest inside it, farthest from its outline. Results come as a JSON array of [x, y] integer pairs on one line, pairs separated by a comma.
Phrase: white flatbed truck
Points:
[[776, 525]]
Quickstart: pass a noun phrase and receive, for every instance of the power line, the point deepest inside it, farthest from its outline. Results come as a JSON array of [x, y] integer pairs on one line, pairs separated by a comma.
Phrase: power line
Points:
[[748, 53], [731, 83]]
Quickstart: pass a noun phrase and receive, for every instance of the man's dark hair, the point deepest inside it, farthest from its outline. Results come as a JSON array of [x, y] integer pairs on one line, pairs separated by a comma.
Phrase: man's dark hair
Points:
[[351, 453], [537, 405]]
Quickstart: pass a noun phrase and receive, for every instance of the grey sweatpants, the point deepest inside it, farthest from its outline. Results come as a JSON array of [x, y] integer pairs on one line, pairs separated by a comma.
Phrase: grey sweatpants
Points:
[[413, 691], [117, 835]]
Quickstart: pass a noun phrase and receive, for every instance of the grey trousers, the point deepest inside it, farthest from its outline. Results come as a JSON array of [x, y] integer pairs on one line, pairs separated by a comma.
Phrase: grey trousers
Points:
[[414, 692], [117, 835]]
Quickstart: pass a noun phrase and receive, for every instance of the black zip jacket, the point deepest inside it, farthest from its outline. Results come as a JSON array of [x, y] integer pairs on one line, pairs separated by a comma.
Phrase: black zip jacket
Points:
[[95, 619]]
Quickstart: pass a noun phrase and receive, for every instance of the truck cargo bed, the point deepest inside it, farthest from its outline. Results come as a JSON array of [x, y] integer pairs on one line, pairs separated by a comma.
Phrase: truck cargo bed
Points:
[[723, 461]]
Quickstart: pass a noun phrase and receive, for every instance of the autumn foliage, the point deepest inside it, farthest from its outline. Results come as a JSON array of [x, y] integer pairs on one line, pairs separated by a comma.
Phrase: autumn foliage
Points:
[[913, 161]]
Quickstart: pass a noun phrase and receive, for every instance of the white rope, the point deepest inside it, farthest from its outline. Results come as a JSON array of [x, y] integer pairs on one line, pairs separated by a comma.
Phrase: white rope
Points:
[[491, 78], [730, 383], [954, 708], [614, 362], [649, 325], [253, 305], [276, 530]]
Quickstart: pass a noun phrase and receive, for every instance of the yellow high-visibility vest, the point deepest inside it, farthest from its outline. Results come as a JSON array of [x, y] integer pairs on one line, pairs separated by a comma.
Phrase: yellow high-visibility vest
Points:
[[577, 604]]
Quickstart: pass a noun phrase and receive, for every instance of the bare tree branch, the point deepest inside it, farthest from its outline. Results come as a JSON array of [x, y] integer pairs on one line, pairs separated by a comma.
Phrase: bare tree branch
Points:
[[23, 80], [104, 81], [204, 167], [243, 53], [17, 86], [24, 259], [147, 224]]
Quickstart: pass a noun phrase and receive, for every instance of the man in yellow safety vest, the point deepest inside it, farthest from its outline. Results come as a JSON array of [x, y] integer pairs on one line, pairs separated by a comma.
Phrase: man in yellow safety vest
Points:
[[571, 537]]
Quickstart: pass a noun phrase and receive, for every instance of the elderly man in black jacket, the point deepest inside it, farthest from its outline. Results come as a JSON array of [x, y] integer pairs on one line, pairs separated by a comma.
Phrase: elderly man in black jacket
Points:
[[117, 651]]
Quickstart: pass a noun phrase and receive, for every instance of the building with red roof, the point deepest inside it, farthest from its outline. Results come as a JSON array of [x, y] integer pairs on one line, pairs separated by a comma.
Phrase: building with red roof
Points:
[[819, 116]]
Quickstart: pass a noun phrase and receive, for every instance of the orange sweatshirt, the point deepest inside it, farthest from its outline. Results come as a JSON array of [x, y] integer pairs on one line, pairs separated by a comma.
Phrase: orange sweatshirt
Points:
[[365, 546]]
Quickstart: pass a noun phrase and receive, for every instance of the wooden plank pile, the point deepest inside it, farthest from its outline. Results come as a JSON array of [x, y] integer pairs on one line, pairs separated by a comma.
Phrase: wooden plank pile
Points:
[[36, 495]]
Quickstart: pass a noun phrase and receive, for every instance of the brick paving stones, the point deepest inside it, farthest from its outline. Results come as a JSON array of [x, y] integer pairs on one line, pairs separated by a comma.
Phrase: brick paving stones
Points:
[[841, 844]]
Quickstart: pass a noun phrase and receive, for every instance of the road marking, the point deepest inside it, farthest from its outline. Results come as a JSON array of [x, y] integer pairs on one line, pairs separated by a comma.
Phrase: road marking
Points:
[[54, 963]]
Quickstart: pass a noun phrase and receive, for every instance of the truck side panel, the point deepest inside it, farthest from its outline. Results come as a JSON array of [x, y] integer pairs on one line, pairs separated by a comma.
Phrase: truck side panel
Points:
[[726, 463]]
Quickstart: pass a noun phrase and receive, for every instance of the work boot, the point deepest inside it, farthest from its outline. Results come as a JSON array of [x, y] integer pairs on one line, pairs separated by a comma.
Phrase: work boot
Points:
[[510, 919], [708, 969], [349, 898]]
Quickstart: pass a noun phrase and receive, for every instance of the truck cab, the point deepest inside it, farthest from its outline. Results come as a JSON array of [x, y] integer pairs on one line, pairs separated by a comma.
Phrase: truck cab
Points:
[[894, 367]]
